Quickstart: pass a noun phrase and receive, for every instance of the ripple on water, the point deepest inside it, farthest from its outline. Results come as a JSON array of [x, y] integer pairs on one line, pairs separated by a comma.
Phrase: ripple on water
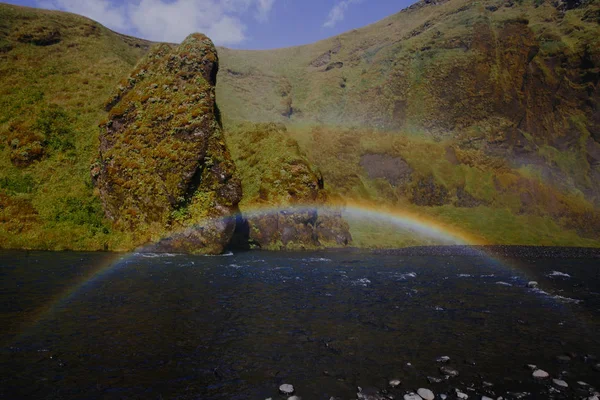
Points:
[[558, 274]]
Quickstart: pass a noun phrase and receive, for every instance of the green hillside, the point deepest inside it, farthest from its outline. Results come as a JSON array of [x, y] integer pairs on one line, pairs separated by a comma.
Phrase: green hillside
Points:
[[480, 115], [57, 70]]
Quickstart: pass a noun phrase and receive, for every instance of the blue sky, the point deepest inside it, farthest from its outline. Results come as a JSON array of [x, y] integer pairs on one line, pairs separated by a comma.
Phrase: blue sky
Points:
[[247, 24]]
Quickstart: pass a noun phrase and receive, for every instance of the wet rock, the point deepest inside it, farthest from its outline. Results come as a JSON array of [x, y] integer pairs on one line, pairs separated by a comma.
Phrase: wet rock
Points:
[[443, 359], [412, 396], [448, 371], [597, 367], [519, 395], [593, 398], [560, 383], [486, 398], [286, 389], [487, 384], [426, 394], [532, 367], [581, 383], [540, 374], [369, 394], [461, 395], [443, 396], [532, 284], [433, 379], [294, 398], [395, 382]]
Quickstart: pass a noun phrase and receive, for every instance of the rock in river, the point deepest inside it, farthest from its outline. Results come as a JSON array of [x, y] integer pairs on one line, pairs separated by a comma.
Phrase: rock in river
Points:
[[532, 284], [412, 396], [448, 371], [560, 383], [426, 394], [540, 374], [395, 382], [286, 388]]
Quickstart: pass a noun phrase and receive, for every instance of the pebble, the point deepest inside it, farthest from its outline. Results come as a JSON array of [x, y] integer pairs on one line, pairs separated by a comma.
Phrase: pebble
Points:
[[582, 383], [448, 371], [486, 398], [560, 383], [294, 398], [443, 396], [532, 284], [461, 395], [426, 394], [540, 374], [487, 384], [593, 398], [433, 379], [443, 359], [395, 383], [532, 367], [412, 396], [286, 388]]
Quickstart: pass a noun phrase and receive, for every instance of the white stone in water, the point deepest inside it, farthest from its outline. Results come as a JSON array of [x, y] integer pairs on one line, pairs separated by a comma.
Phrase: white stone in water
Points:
[[532, 367], [443, 396], [286, 388], [412, 396], [582, 383], [448, 371], [294, 398], [540, 374], [461, 395], [443, 359], [592, 398], [486, 398], [426, 394], [560, 383], [395, 382], [532, 284]]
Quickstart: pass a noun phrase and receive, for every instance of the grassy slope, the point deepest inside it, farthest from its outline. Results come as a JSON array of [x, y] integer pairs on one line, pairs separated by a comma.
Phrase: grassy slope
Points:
[[55, 94], [543, 195]]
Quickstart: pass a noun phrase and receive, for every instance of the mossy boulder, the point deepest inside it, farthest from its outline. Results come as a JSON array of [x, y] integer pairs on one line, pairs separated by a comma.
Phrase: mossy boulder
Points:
[[164, 169], [276, 175]]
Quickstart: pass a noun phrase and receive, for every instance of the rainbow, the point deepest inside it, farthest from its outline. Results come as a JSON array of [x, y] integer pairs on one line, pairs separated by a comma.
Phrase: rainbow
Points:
[[403, 219]]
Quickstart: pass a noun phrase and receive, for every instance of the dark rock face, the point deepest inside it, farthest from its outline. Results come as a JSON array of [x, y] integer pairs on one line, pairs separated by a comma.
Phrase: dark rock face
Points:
[[278, 177], [163, 165], [43, 35], [395, 170]]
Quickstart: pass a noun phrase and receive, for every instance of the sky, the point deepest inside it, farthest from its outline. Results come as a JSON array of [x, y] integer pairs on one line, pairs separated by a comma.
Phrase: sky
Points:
[[243, 24]]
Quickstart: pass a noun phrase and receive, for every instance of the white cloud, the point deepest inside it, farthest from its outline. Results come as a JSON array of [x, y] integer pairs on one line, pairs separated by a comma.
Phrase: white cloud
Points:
[[264, 9], [337, 13], [171, 20], [103, 11]]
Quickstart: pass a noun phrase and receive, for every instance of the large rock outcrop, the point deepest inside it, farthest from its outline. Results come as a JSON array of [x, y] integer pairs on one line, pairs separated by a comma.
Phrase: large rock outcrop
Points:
[[285, 203], [164, 169]]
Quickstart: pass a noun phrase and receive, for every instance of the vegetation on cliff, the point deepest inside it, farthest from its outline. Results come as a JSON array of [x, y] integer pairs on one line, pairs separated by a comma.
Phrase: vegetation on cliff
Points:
[[483, 116], [56, 70], [163, 165]]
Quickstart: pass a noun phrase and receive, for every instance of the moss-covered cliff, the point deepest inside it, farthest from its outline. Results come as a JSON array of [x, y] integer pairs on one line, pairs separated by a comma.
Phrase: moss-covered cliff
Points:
[[163, 165]]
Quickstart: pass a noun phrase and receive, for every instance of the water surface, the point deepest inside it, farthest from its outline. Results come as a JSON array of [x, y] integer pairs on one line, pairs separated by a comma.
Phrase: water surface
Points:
[[238, 326]]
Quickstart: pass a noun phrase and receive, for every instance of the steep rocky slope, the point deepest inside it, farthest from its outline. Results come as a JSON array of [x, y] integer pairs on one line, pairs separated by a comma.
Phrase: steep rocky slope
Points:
[[283, 192], [457, 109], [163, 165]]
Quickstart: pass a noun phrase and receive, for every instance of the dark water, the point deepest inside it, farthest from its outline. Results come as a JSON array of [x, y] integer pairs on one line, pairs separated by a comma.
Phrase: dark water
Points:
[[236, 327]]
